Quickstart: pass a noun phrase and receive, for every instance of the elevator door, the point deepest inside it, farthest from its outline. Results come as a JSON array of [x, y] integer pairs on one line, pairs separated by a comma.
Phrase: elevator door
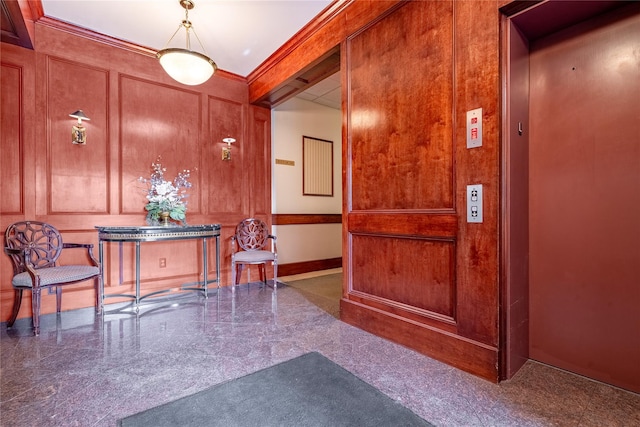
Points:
[[584, 205]]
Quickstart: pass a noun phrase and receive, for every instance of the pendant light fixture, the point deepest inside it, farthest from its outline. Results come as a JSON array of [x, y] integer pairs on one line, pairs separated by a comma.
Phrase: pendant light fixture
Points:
[[185, 65]]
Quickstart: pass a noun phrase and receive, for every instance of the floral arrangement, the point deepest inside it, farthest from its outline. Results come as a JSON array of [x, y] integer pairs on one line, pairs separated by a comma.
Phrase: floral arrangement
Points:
[[166, 196]]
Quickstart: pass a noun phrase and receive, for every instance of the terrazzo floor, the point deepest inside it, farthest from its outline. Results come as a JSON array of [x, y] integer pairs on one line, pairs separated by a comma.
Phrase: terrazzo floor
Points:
[[87, 370]]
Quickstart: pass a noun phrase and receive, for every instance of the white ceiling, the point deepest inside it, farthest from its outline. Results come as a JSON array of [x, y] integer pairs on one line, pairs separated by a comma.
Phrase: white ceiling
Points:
[[237, 34], [326, 92]]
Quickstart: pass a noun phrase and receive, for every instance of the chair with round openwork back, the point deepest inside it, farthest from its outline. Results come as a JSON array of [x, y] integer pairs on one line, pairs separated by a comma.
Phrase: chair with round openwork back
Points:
[[252, 244], [34, 248]]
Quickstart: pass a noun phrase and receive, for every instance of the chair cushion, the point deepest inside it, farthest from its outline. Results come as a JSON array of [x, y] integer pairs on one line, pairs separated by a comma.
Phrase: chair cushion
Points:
[[55, 275], [254, 256]]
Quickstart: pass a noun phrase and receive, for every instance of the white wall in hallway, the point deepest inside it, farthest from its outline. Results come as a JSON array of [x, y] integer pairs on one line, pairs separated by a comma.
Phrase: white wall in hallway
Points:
[[290, 121]]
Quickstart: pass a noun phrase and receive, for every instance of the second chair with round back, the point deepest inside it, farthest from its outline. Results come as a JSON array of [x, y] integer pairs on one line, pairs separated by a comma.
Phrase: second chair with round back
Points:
[[253, 244]]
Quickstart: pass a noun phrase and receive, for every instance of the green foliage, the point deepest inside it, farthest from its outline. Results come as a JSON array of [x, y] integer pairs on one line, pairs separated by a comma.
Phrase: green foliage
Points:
[[177, 211]]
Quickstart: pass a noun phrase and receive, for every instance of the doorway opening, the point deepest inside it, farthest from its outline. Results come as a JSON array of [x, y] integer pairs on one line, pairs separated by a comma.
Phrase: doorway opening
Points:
[[308, 226]]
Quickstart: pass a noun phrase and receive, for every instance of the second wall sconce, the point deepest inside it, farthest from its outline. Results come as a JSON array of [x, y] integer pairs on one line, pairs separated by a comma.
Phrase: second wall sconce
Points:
[[79, 132], [226, 151]]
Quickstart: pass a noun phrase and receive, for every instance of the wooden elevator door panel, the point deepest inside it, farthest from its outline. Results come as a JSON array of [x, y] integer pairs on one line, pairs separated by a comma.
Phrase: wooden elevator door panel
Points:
[[585, 199]]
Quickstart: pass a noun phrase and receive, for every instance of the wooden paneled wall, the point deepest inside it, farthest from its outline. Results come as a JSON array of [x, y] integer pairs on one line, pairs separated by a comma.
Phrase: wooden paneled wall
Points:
[[434, 285], [137, 113], [415, 271]]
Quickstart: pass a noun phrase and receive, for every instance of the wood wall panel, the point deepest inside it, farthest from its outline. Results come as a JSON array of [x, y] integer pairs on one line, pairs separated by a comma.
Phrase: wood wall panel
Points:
[[137, 113], [477, 85], [425, 223], [260, 187], [76, 174], [401, 136], [17, 111], [406, 273], [173, 134], [12, 158], [223, 123], [407, 172]]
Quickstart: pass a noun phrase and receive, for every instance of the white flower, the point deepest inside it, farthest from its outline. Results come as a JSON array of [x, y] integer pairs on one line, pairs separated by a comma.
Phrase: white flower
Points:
[[165, 188]]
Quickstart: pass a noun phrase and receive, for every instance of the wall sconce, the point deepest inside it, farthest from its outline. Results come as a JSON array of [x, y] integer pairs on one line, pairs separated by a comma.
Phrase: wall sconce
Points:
[[79, 132], [226, 151]]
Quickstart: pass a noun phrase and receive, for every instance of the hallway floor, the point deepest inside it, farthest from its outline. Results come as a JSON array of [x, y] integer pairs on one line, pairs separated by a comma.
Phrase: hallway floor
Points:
[[91, 371]]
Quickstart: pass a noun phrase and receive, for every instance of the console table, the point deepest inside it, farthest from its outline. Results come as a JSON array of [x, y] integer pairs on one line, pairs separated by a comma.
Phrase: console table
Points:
[[141, 234]]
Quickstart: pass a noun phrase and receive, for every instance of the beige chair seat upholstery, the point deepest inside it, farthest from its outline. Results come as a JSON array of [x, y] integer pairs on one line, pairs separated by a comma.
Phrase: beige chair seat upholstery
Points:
[[55, 275]]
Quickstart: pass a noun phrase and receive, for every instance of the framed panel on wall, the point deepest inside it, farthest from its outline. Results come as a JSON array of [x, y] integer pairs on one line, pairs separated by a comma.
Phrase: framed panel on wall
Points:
[[317, 167]]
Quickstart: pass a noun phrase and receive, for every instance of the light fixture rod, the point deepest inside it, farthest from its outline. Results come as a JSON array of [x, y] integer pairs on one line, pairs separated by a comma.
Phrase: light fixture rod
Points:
[[174, 34], [186, 23], [197, 38]]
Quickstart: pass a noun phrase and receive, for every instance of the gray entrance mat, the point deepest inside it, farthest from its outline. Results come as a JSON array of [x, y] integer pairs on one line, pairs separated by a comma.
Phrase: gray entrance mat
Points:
[[308, 391]]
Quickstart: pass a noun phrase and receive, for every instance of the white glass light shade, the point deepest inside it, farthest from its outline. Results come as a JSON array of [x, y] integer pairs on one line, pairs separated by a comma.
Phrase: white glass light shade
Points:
[[186, 66]]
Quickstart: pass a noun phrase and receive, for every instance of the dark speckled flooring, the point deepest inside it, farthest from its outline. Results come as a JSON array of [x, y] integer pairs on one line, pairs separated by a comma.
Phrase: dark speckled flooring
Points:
[[91, 371]]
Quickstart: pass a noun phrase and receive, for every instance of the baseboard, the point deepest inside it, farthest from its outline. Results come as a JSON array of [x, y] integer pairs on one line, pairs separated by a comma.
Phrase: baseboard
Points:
[[308, 266], [470, 356]]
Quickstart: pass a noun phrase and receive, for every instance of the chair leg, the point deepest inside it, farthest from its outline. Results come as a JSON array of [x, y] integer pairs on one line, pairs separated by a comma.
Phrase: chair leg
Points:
[[17, 301], [233, 276], [275, 276], [96, 285], [58, 299], [35, 307]]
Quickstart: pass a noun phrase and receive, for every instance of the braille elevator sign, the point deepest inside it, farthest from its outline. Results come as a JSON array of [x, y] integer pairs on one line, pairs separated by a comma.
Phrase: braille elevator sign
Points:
[[474, 128]]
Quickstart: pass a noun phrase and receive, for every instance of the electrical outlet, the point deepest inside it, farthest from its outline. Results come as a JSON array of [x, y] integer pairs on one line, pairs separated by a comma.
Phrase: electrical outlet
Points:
[[474, 203], [163, 262]]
